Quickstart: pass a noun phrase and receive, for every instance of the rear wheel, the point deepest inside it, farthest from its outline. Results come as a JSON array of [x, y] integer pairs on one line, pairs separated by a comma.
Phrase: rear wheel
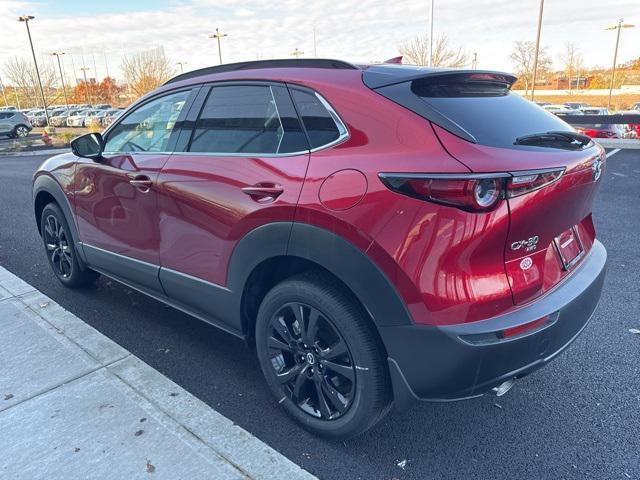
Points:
[[321, 357], [63, 257]]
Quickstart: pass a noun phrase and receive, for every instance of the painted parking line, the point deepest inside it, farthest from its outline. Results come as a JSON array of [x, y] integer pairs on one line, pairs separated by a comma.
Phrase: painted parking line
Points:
[[85, 407], [613, 152]]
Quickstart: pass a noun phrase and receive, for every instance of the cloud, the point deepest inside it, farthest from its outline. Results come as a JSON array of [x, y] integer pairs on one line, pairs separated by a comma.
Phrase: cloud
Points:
[[356, 30]]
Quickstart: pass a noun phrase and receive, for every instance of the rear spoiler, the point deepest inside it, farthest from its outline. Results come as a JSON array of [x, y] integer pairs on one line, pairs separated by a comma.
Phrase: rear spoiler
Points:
[[377, 76]]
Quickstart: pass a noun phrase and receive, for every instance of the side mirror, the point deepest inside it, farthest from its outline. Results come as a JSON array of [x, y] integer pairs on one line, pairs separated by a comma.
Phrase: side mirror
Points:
[[90, 146]]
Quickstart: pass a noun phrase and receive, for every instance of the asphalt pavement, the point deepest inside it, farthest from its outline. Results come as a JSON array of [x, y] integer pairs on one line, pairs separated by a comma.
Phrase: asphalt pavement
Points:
[[579, 417]]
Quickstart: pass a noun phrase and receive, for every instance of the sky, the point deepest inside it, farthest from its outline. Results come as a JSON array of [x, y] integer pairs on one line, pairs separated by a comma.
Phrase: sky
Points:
[[100, 32]]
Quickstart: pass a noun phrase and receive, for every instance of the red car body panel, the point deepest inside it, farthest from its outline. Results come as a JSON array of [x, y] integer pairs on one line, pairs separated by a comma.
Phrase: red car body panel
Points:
[[204, 212], [114, 215]]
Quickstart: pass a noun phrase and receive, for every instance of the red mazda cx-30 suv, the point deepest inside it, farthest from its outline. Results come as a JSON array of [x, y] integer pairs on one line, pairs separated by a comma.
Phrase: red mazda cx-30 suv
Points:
[[381, 233]]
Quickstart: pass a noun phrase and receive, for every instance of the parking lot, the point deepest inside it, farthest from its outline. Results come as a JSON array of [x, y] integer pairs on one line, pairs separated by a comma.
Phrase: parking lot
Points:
[[577, 418]]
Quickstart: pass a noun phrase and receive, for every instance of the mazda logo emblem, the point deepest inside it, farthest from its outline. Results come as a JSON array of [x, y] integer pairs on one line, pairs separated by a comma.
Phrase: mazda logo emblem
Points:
[[310, 359]]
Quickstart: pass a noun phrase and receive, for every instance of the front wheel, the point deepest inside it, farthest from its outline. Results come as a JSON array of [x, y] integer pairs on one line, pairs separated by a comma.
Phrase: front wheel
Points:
[[61, 252], [321, 356], [21, 131]]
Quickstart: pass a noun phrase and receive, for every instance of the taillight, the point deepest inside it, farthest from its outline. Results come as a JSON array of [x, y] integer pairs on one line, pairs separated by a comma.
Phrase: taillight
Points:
[[474, 193], [525, 182], [471, 192]]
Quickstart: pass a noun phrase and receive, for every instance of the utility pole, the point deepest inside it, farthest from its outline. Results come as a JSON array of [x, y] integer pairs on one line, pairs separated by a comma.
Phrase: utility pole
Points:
[[620, 25], [64, 88], [25, 19], [297, 53], [181, 66], [535, 56], [86, 83], [315, 49], [6, 102], [431, 35], [218, 35]]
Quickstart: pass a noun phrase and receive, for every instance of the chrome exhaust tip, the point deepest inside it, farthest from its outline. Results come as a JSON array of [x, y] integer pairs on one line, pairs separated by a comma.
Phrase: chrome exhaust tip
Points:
[[504, 387]]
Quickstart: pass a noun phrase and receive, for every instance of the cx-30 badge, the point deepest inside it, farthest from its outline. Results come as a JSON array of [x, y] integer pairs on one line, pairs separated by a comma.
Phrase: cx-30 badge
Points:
[[596, 167], [528, 245]]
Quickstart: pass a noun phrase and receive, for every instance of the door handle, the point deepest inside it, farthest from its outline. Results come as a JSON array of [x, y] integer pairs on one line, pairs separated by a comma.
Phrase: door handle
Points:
[[264, 191], [141, 182]]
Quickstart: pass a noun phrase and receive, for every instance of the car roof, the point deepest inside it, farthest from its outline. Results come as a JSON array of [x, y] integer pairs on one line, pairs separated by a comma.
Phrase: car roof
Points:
[[373, 75]]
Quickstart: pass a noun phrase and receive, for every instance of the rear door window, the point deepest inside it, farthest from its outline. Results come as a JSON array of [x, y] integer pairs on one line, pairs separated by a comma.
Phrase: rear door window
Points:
[[250, 120], [321, 122]]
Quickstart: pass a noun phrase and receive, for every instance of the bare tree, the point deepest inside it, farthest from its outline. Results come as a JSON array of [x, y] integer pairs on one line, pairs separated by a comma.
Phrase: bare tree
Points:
[[416, 51], [147, 70], [522, 57], [572, 61], [22, 75]]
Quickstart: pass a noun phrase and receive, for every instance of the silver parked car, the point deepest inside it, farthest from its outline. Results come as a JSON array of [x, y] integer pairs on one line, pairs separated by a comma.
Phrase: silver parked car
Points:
[[14, 124]]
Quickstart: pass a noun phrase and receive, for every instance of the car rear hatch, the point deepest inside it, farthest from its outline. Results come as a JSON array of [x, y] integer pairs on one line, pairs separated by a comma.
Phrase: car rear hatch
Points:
[[552, 172]]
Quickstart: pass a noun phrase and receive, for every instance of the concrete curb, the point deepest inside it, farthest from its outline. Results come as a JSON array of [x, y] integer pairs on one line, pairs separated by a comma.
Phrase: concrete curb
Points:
[[87, 408], [33, 153], [629, 144]]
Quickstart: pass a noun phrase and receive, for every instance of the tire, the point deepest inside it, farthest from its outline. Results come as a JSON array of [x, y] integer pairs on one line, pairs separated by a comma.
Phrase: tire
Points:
[[345, 364], [63, 257], [21, 131]]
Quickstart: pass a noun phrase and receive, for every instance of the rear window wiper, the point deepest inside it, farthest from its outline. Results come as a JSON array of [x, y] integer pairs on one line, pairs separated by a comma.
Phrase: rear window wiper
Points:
[[555, 139]]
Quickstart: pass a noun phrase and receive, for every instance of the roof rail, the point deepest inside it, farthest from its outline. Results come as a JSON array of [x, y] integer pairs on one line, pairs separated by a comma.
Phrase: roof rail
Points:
[[277, 63]]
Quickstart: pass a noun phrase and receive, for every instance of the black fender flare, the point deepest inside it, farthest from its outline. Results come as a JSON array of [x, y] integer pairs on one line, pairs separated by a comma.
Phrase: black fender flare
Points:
[[45, 183], [327, 249]]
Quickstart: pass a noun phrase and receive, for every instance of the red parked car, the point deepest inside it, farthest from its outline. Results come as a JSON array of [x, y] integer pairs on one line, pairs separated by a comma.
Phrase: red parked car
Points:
[[382, 233], [601, 130]]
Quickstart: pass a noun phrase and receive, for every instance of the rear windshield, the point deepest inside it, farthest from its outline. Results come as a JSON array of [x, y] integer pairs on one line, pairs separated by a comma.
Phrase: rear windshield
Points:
[[487, 110]]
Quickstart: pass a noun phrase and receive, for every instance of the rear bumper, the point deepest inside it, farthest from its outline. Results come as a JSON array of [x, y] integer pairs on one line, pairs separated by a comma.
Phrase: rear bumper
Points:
[[454, 362]]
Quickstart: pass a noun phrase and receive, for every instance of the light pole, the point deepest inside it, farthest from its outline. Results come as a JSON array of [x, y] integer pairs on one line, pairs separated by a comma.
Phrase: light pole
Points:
[[297, 53], [181, 66], [64, 88], [619, 26], [474, 63], [315, 49], [218, 35], [86, 83], [535, 55], [431, 36], [25, 19]]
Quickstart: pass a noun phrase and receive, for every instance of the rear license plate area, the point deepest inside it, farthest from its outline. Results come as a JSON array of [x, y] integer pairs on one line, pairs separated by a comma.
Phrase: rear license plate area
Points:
[[569, 248]]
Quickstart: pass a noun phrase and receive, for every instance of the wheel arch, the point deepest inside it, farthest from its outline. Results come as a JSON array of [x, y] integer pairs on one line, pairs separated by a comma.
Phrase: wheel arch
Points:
[[47, 190], [273, 252]]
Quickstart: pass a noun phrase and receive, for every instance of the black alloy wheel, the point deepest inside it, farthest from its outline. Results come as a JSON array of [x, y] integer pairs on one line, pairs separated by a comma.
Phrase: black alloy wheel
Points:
[[61, 252], [311, 361], [58, 246], [321, 356]]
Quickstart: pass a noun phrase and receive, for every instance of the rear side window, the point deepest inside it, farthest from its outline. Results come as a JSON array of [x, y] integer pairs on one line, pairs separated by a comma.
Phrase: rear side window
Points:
[[322, 124], [248, 119]]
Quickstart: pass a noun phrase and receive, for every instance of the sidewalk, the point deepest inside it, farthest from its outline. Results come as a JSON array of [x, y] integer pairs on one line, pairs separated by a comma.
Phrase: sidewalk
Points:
[[75, 405]]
